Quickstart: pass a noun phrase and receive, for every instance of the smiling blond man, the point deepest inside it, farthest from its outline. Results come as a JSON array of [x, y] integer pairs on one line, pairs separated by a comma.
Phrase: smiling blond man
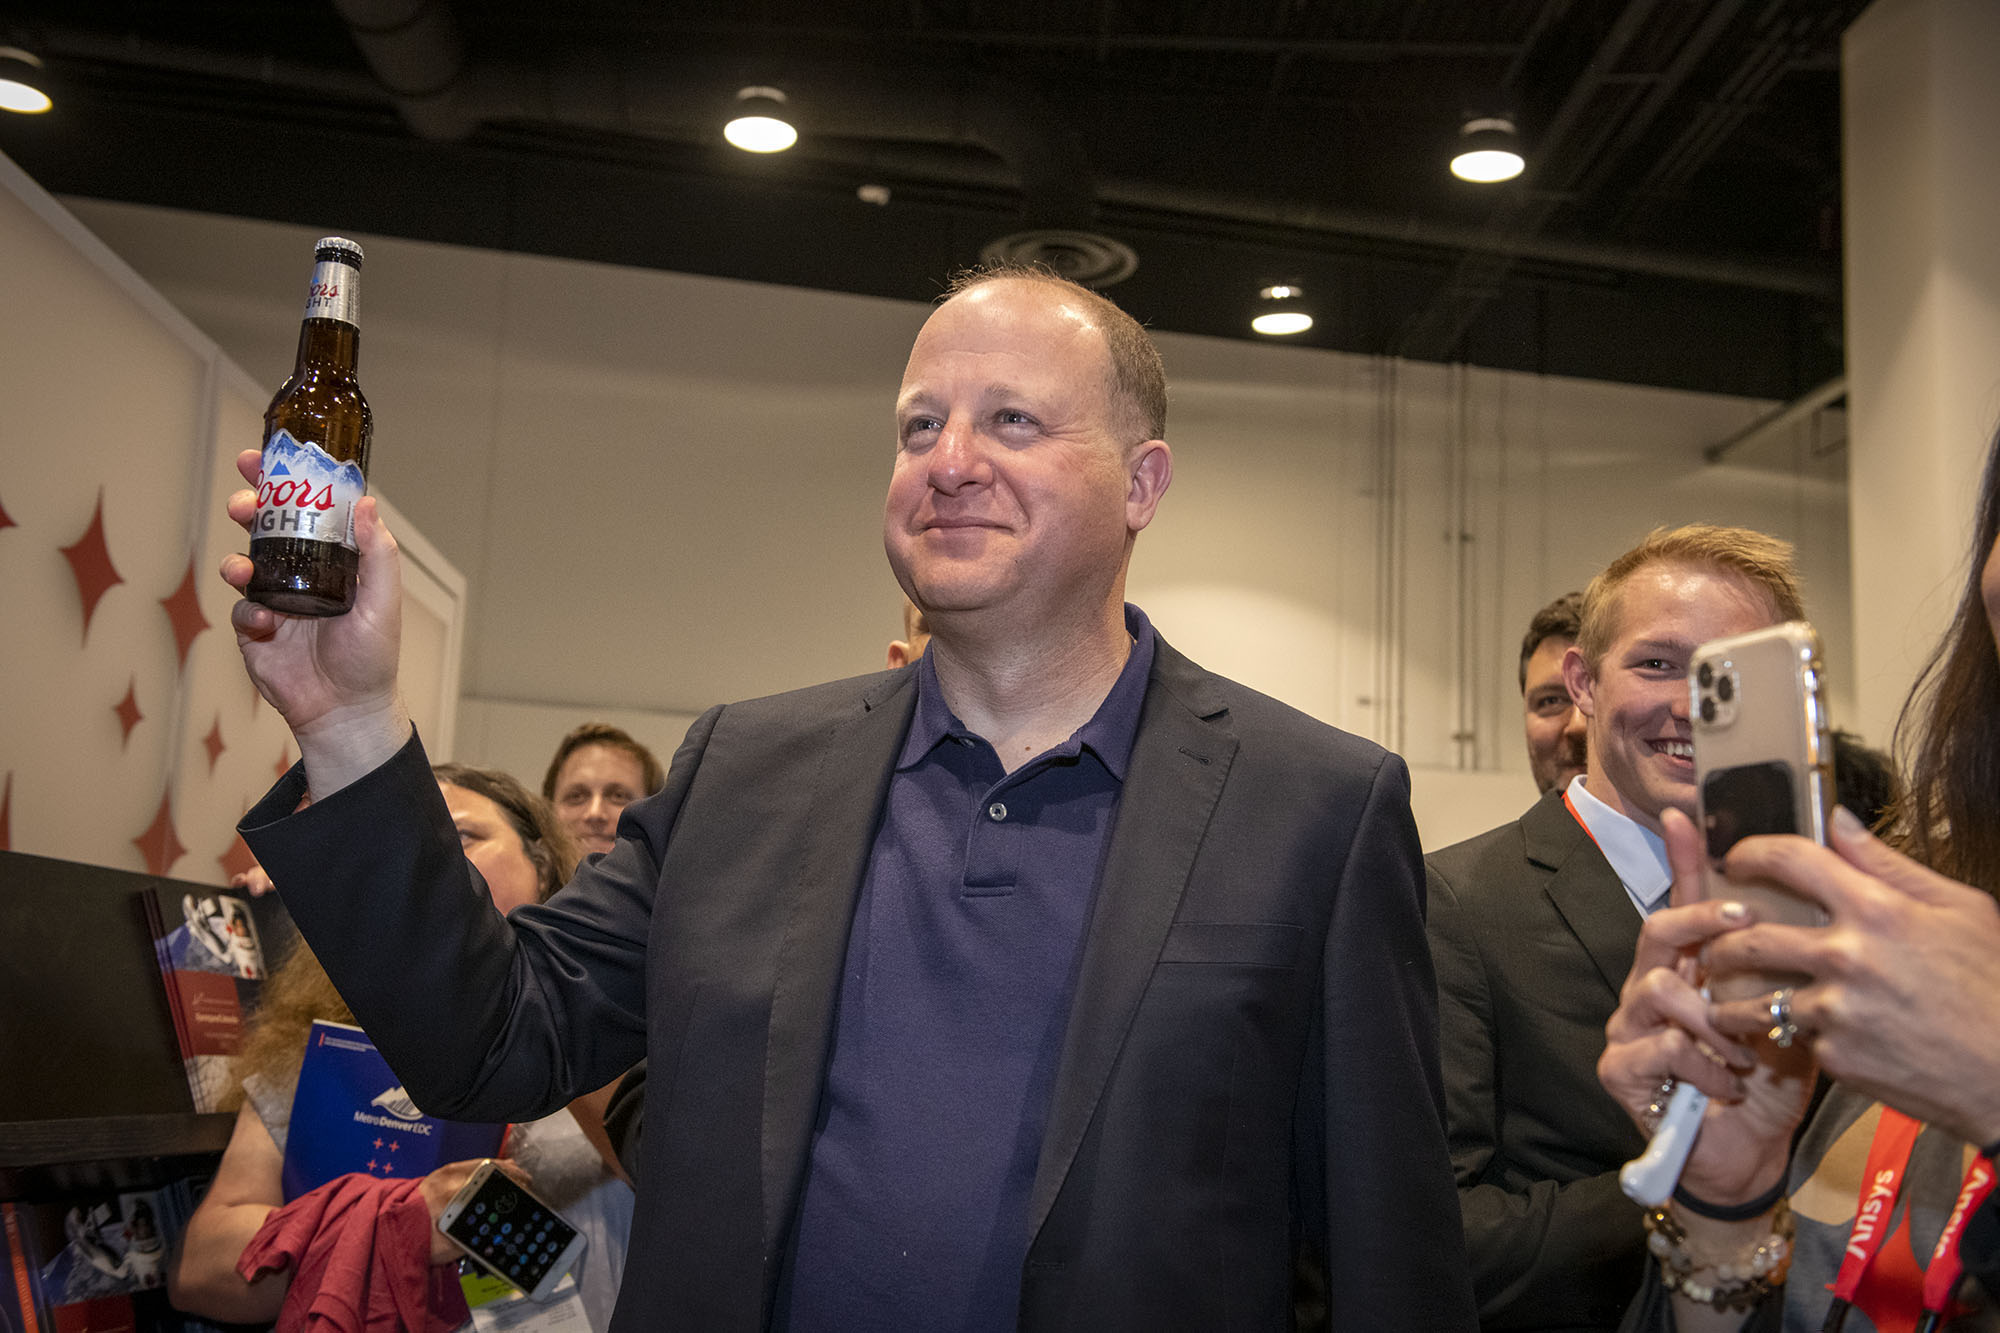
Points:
[[1533, 926]]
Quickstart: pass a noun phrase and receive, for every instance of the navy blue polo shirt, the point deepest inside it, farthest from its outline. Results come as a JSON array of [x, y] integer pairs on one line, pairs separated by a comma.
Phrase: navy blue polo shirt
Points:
[[960, 966]]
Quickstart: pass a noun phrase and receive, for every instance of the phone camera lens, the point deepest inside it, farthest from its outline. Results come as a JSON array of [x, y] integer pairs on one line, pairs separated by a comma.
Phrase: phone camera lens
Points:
[[1705, 675], [1707, 709], [1725, 689]]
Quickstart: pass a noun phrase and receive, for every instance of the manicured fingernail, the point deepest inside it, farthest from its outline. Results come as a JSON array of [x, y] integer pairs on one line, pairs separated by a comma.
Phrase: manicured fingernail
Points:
[[1734, 912], [1844, 820]]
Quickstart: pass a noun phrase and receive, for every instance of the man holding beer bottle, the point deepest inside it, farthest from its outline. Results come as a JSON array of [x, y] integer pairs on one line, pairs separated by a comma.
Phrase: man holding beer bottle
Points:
[[1056, 983]]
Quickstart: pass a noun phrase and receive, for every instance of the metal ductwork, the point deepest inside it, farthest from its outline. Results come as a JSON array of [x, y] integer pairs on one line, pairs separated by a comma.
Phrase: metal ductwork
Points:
[[879, 128], [414, 49]]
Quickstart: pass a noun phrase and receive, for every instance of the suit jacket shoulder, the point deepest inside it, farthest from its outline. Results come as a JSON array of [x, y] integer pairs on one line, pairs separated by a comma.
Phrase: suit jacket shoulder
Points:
[[1545, 836], [1259, 717]]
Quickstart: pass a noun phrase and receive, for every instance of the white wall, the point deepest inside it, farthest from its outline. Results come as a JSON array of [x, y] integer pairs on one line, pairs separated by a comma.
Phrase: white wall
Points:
[[665, 490], [1921, 190], [119, 417]]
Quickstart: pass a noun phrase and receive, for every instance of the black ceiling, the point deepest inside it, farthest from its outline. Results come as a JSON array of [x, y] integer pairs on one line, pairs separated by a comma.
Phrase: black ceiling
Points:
[[1678, 224]]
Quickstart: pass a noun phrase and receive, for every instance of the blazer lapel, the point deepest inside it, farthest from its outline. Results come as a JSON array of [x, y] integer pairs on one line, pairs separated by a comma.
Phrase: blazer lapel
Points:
[[1180, 759], [1586, 891], [857, 760]]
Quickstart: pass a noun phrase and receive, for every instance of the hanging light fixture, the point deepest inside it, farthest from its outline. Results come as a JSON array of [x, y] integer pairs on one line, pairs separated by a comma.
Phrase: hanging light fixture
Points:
[[1489, 150], [22, 82], [1281, 311], [759, 125]]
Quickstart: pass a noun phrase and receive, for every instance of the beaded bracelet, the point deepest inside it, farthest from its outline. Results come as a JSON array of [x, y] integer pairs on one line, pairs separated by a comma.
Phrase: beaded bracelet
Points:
[[1739, 1283]]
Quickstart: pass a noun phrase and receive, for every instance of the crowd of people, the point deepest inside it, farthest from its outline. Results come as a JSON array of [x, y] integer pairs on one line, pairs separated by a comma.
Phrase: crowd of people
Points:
[[1048, 981]]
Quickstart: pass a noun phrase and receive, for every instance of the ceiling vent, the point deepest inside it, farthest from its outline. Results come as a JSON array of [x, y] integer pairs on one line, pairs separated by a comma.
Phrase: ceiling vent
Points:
[[1084, 257]]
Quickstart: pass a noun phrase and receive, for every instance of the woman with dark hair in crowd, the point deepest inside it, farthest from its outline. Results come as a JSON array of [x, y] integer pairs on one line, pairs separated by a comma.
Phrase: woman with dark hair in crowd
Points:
[[512, 837], [1861, 1216]]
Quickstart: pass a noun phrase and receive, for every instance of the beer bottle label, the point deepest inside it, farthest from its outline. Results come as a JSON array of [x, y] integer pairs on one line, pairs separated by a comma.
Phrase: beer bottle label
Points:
[[335, 293], [305, 493]]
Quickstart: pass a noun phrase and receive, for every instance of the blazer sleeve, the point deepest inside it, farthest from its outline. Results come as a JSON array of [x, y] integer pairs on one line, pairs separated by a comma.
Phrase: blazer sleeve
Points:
[[1395, 1256], [483, 1017], [1544, 1254]]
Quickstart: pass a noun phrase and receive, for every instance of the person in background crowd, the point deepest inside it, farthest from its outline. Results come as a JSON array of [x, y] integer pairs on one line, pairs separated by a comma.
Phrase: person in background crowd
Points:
[[916, 635], [1554, 729], [522, 855], [1533, 925], [597, 771], [1897, 999], [1053, 983]]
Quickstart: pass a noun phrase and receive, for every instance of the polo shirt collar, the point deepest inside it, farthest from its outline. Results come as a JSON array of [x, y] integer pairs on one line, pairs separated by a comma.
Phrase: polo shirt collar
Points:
[[1109, 734]]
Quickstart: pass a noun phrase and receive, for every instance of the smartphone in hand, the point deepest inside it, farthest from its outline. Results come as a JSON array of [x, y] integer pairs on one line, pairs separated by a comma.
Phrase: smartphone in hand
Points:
[[1763, 758], [511, 1233]]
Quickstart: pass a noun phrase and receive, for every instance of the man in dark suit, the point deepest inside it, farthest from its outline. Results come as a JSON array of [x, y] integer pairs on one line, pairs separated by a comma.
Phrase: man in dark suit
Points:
[[1049, 983], [1533, 926]]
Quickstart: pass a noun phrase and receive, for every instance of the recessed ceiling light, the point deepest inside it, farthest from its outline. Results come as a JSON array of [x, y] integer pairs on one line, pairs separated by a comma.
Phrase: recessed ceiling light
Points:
[[22, 82], [1281, 311], [759, 125], [1489, 151]]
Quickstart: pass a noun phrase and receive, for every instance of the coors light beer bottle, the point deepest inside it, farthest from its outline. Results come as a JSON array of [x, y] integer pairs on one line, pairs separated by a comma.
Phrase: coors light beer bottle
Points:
[[316, 436]]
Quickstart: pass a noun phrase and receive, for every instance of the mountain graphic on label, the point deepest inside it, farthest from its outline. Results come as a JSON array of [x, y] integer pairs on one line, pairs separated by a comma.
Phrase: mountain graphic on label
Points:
[[285, 456], [397, 1103]]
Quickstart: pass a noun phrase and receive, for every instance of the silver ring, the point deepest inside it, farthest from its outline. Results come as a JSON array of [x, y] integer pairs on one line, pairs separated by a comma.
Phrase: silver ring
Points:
[[1783, 1030], [1650, 1117]]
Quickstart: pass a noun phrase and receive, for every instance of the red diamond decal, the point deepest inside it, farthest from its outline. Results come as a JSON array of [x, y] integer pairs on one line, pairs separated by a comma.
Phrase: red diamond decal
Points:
[[158, 844], [128, 712], [90, 560], [213, 744], [183, 610]]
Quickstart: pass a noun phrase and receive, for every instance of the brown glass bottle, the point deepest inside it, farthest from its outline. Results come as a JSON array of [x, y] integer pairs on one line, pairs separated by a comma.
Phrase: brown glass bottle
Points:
[[316, 437]]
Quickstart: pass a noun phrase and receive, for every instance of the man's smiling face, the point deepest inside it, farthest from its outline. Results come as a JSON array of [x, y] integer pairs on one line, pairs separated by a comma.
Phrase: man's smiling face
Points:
[[1013, 487], [1635, 698]]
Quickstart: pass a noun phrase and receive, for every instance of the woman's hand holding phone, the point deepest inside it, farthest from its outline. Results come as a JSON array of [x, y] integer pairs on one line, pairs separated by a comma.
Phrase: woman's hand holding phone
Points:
[[1901, 984], [439, 1188], [1663, 1027], [499, 1224]]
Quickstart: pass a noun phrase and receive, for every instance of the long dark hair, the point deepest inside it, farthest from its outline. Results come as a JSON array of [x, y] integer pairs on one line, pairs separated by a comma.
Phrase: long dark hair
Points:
[[1949, 730]]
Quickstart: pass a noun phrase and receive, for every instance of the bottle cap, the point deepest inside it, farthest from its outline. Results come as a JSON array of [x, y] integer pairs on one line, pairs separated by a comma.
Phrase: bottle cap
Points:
[[338, 250]]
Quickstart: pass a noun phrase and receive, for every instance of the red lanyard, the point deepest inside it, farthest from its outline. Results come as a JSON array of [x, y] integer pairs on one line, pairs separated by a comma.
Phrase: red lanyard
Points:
[[1581, 822], [1941, 1274], [1881, 1184]]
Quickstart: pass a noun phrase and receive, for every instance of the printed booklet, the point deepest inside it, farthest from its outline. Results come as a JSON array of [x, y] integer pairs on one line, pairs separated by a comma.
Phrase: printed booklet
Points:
[[350, 1113], [215, 948]]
